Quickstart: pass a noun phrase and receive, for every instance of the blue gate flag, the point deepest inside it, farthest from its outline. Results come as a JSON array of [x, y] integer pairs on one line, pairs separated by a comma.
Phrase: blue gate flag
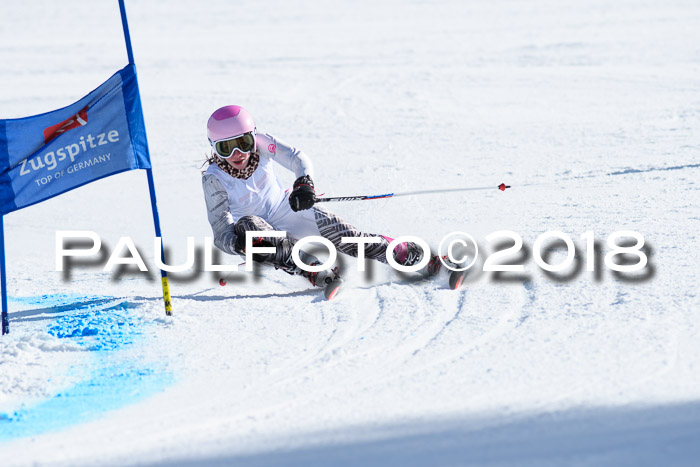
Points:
[[45, 155]]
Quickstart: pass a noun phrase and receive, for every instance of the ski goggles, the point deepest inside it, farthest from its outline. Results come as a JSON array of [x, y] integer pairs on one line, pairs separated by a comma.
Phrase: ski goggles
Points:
[[244, 143]]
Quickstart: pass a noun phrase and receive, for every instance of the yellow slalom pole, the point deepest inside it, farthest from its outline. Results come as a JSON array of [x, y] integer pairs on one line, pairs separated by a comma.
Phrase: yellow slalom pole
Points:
[[166, 294], [149, 174]]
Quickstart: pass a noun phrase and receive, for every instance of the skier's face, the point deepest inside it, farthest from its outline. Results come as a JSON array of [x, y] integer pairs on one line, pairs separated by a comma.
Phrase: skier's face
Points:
[[238, 160]]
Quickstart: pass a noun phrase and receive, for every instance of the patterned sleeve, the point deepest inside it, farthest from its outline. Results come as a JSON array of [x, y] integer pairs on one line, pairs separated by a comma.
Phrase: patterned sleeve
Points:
[[287, 156], [219, 215]]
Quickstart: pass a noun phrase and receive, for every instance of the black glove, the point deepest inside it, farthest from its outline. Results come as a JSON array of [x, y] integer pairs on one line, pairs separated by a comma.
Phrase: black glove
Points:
[[303, 194], [239, 246]]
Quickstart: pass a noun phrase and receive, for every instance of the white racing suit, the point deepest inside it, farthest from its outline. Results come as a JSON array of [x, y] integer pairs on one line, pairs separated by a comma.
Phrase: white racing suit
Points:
[[236, 205]]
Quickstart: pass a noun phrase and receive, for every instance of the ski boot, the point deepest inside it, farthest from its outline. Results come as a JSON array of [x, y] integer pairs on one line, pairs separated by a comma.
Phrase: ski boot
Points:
[[409, 254], [329, 279]]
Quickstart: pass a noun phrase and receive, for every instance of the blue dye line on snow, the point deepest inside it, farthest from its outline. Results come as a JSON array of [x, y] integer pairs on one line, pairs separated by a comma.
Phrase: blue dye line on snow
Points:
[[114, 379]]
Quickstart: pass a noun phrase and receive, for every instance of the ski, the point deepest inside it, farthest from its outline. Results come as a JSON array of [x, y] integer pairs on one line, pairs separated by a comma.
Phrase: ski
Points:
[[431, 271], [332, 289], [457, 279], [333, 284]]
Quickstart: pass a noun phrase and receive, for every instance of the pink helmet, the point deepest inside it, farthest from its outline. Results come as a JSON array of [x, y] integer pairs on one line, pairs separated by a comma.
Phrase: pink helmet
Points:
[[229, 121]]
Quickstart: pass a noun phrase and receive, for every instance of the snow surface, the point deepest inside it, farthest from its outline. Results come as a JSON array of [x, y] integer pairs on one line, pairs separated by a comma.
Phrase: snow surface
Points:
[[590, 110]]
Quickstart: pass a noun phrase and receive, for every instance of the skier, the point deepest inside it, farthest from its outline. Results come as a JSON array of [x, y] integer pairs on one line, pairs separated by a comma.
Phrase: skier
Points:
[[243, 193]]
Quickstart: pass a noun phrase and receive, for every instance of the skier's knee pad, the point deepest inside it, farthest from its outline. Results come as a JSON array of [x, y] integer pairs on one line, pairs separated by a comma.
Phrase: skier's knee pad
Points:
[[281, 258]]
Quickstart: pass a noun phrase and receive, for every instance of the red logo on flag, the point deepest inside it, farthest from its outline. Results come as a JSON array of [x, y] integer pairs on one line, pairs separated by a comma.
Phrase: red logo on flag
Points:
[[77, 120]]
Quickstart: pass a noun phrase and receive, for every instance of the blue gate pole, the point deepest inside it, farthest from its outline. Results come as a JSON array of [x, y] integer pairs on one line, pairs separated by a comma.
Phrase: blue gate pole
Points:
[[3, 282], [127, 37], [149, 175]]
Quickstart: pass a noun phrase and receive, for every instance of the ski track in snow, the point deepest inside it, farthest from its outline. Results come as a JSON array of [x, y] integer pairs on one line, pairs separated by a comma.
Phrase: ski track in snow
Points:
[[422, 336]]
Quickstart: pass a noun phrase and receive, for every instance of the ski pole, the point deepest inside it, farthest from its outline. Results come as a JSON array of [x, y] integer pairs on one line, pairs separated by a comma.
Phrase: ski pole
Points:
[[501, 187]]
